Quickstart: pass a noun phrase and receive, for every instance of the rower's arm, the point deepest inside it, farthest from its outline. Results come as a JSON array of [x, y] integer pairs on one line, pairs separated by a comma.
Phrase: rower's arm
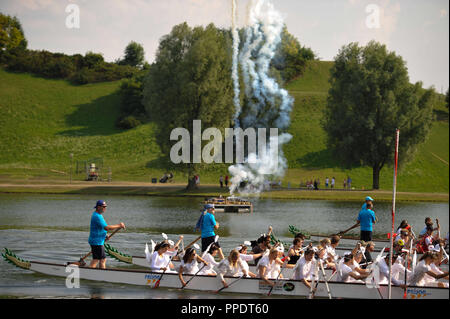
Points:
[[114, 227], [262, 275], [436, 276], [180, 276], [200, 259], [306, 283]]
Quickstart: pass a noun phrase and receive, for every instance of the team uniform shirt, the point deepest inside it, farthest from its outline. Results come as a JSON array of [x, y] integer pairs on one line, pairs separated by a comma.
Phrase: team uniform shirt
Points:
[[97, 233], [366, 218], [244, 261], [189, 268], [225, 269], [270, 266], [304, 269], [343, 274], [330, 252], [384, 273], [418, 277], [208, 270], [208, 225], [161, 261]]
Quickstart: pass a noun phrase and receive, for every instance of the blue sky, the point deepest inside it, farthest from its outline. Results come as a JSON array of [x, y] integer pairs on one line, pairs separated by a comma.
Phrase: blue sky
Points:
[[418, 30]]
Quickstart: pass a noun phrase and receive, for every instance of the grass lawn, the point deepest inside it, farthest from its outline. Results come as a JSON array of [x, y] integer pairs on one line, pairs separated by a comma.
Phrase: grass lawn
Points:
[[43, 121]]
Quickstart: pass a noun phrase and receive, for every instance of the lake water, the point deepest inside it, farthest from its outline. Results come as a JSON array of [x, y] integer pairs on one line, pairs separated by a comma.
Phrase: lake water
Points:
[[56, 228]]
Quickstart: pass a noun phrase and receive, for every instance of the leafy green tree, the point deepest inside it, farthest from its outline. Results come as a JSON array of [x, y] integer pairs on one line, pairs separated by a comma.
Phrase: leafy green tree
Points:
[[12, 37], [190, 80], [291, 57], [134, 55], [371, 96]]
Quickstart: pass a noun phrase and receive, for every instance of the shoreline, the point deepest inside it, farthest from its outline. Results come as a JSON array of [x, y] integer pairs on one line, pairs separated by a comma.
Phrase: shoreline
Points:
[[178, 190]]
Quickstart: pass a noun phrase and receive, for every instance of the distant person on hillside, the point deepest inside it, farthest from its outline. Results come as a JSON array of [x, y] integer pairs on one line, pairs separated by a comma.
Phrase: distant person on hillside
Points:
[[333, 181], [316, 186], [327, 182], [349, 182], [221, 181], [345, 183], [226, 180]]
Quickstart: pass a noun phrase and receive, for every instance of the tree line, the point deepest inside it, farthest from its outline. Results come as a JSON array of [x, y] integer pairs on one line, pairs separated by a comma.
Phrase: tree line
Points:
[[77, 68]]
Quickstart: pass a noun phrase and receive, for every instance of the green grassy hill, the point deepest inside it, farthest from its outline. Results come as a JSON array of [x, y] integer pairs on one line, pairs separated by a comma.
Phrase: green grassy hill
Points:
[[309, 158], [43, 121]]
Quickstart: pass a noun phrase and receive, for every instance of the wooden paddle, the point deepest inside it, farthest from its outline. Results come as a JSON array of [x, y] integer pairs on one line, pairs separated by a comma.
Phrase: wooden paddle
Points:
[[81, 262], [347, 230], [312, 291], [217, 291], [276, 281], [325, 278]]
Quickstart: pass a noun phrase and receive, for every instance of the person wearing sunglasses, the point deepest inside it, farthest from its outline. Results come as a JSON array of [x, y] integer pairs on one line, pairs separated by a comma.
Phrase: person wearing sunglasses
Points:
[[98, 233]]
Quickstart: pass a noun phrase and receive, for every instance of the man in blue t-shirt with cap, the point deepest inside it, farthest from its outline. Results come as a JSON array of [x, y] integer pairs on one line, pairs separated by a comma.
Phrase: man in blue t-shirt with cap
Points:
[[366, 218], [208, 225], [97, 235]]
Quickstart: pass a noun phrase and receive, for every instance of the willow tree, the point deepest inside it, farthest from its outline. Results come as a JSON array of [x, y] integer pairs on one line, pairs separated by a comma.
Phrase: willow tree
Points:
[[190, 80], [370, 96]]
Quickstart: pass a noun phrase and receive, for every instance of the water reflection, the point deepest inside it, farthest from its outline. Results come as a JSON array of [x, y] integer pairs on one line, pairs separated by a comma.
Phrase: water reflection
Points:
[[56, 228]]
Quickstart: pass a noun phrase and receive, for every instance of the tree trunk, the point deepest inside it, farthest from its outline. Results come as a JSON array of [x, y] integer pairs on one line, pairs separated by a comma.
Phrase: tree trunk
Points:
[[191, 178], [376, 177], [191, 183]]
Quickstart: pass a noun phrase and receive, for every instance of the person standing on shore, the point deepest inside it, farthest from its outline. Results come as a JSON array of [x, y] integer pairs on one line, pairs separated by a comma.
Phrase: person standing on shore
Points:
[[221, 181], [98, 233], [333, 181]]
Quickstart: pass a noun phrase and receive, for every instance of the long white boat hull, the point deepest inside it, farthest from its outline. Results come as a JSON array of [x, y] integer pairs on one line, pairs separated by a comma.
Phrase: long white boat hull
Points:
[[284, 287]]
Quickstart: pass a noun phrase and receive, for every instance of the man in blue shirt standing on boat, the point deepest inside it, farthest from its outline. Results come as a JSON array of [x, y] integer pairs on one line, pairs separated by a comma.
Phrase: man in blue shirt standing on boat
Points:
[[98, 231], [207, 225], [366, 219]]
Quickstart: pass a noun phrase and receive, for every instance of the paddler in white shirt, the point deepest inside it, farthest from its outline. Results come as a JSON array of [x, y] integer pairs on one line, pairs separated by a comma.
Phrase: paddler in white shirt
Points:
[[189, 264], [267, 264], [245, 258], [209, 257], [160, 259], [345, 272], [305, 267], [230, 266]]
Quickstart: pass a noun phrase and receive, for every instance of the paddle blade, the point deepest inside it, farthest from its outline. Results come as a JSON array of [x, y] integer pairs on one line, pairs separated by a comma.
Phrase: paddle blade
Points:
[[196, 246], [164, 236]]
